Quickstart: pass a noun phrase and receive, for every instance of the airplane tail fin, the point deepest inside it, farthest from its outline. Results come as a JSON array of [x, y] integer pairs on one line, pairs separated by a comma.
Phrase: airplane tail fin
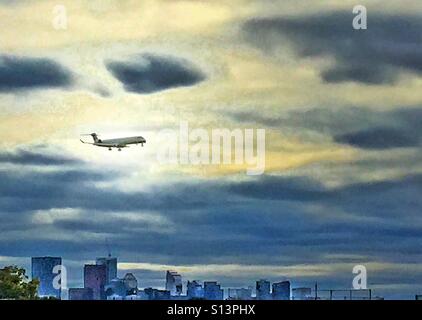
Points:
[[95, 137]]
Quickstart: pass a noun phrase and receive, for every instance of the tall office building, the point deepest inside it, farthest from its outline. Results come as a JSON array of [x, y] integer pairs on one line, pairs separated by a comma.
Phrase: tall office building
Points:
[[302, 294], [213, 291], [95, 278], [195, 290], [111, 267], [116, 289], [174, 283], [42, 269], [240, 294], [155, 294], [80, 294], [263, 288], [121, 288], [131, 284], [281, 290]]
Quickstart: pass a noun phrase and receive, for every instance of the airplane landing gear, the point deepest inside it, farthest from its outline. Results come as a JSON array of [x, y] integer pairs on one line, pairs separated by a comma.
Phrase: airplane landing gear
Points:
[[119, 149], [109, 149]]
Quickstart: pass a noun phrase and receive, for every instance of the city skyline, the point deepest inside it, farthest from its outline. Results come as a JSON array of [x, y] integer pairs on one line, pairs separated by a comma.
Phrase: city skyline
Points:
[[339, 108], [101, 282]]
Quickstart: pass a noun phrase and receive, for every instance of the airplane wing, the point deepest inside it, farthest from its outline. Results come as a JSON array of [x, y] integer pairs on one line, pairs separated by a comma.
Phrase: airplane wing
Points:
[[85, 142]]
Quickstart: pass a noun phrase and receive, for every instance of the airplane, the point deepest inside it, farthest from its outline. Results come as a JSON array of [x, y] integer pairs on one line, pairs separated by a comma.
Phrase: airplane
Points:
[[114, 143]]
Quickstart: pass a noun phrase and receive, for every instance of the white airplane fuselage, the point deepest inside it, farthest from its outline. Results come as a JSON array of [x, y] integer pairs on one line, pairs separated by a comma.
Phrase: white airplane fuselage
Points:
[[120, 142], [116, 143]]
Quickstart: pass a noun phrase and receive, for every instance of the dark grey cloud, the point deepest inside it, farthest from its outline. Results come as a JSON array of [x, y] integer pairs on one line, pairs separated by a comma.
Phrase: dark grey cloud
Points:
[[391, 44], [380, 138], [27, 73], [359, 127], [359, 73], [75, 187], [280, 188], [267, 212], [149, 73], [36, 158], [360, 198], [264, 220]]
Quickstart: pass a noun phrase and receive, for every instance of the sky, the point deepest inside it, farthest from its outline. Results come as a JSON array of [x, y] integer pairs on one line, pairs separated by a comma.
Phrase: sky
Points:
[[341, 109]]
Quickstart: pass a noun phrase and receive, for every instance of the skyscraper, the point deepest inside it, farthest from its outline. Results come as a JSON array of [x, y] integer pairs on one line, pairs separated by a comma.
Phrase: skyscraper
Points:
[[195, 290], [80, 294], [240, 293], [131, 284], [95, 278], [116, 289], [121, 288], [155, 294], [111, 267], [43, 269], [213, 291], [302, 294], [263, 290], [174, 283], [281, 290]]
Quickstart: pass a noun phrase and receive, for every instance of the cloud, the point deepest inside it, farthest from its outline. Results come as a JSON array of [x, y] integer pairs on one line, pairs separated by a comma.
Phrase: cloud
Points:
[[150, 73], [235, 215], [24, 73], [379, 138], [356, 126], [358, 199], [359, 73], [269, 220], [281, 188], [12, 2], [36, 158], [378, 55]]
